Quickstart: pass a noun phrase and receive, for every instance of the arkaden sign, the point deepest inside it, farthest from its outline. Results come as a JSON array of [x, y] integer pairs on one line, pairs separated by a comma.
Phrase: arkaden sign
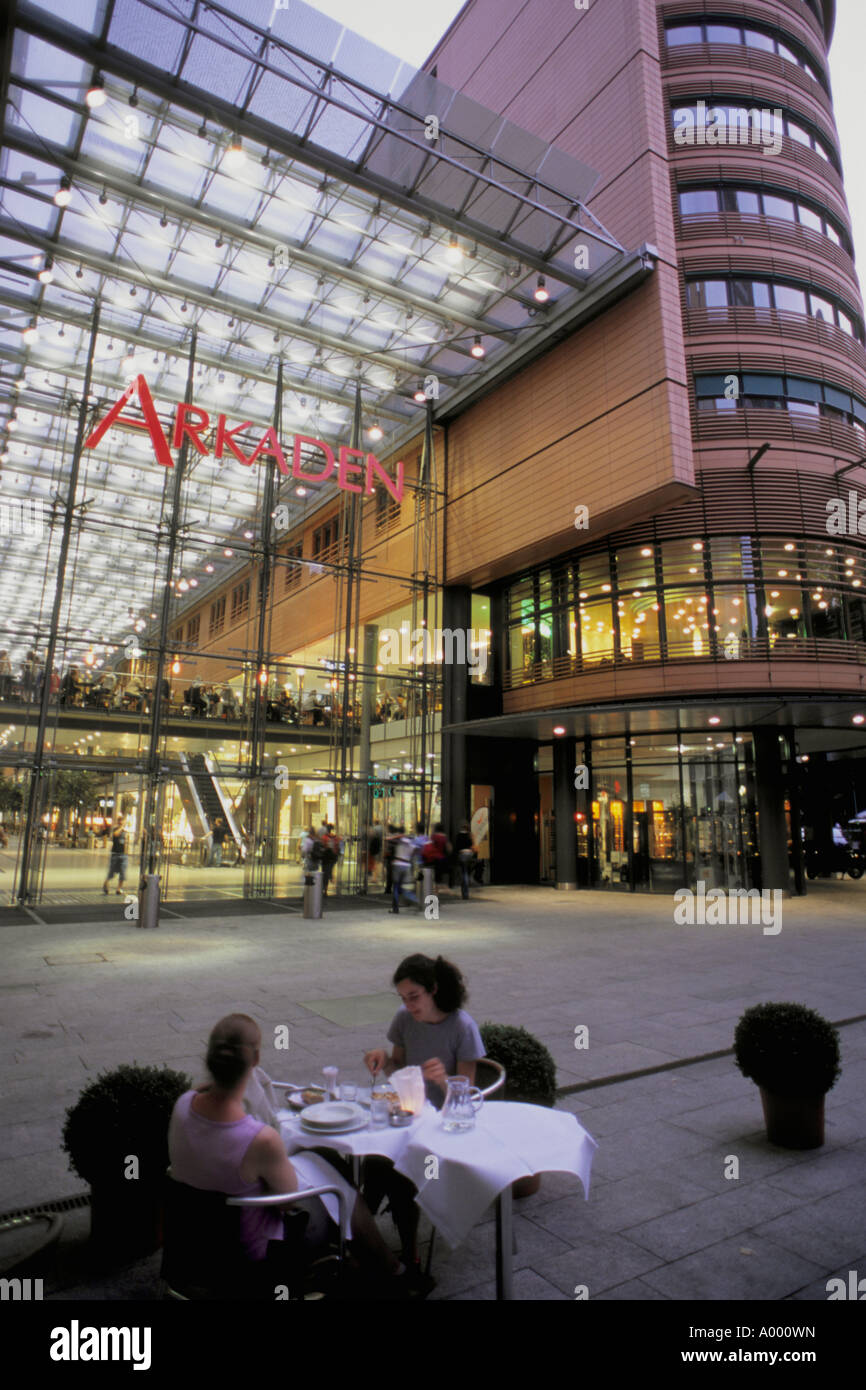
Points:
[[191, 422]]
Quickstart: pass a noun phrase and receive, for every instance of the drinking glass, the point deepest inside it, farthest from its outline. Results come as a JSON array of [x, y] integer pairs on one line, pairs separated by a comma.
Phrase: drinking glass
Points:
[[330, 1074], [380, 1112], [348, 1091]]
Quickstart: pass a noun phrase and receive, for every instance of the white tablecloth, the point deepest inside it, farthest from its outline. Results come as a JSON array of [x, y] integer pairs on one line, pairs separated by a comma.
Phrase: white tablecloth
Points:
[[388, 1142], [509, 1141]]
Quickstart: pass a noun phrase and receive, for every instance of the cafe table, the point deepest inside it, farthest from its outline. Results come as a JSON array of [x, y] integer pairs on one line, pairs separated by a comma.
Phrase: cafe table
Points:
[[472, 1169]]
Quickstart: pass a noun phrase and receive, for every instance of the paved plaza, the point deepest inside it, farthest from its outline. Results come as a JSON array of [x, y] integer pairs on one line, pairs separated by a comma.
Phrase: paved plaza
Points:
[[662, 1221]]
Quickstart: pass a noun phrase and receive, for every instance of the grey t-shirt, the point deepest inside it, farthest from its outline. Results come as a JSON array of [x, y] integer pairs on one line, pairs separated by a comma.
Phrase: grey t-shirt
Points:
[[455, 1039]]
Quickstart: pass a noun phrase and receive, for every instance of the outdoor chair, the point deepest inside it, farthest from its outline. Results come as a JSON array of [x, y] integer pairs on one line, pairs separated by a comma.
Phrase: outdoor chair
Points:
[[202, 1255]]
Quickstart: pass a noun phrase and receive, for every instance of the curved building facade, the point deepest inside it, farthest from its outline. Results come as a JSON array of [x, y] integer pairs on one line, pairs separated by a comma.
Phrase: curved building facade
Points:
[[682, 691]]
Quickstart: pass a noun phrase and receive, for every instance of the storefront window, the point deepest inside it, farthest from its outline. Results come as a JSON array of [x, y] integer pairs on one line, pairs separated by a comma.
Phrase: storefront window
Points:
[[597, 632], [688, 627], [784, 614], [639, 626]]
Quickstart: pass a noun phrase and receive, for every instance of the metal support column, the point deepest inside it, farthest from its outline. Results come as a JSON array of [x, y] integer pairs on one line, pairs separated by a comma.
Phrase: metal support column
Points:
[[30, 826]]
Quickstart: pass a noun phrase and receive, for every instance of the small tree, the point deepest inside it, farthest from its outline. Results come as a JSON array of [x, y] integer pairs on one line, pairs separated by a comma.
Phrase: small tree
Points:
[[74, 788]]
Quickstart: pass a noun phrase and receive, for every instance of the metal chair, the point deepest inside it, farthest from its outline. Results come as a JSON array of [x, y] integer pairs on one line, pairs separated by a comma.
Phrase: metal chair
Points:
[[493, 1073], [202, 1254]]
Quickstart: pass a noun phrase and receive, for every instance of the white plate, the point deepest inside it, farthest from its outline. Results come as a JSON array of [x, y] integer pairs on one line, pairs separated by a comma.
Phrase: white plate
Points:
[[331, 1113], [360, 1123]]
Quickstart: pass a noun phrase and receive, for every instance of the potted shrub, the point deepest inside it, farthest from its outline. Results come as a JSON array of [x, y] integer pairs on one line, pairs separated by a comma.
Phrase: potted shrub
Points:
[[116, 1136], [530, 1076], [792, 1053]]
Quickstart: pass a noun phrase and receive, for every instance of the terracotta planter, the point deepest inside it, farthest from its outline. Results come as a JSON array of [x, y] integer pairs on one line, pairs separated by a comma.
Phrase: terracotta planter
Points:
[[793, 1122], [526, 1187]]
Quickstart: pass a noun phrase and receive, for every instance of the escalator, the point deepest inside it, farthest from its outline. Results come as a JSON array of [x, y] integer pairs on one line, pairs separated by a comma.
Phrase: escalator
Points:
[[204, 798]]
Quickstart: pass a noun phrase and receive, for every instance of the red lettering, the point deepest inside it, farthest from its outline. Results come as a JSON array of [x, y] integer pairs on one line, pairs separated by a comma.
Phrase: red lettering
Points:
[[395, 488], [298, 471], [345, 468], [137, 387], [269, 444], [183, 426], [225, 439]]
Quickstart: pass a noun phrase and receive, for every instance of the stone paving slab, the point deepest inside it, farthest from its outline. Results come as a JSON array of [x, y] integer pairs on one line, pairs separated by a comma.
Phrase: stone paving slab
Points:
[[662, 1220]]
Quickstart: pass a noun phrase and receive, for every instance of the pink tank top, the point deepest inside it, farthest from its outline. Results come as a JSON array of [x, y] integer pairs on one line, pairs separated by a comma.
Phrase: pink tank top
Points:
[[208, 1154]]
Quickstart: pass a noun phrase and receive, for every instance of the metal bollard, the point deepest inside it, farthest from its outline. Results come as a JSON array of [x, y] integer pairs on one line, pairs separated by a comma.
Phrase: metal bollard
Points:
[[148, 902], [313, 894], [427, 884]]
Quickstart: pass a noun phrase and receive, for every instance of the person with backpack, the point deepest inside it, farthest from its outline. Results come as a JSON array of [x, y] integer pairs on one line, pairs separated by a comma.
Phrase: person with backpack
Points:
[[437, 852]]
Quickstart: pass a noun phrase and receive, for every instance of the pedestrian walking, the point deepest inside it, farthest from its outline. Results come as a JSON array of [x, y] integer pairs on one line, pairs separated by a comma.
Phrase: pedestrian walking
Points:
[[119, 860], [465, 856], [219, 832], [402, 868]]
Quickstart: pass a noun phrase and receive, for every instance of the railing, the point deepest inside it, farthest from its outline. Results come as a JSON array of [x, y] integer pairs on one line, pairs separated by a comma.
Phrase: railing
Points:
[[813, 649], [738, 319], [752, 230], [757, 423]]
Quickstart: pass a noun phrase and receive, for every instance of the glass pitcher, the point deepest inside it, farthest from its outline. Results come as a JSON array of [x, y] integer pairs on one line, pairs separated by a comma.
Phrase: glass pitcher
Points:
[[462, 1103]]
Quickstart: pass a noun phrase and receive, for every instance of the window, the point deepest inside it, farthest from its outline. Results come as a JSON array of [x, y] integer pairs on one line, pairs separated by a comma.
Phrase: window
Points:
[[387, 509], [746, 202], [707, 294], [763, 41], [240, 600], [696, 201], [326, 541], [177, 636], [217, 616], [724, 33], [684, 33], [192, 631], [821, 308], [809, 218], [778, 207], [293, 572], [789, 300]]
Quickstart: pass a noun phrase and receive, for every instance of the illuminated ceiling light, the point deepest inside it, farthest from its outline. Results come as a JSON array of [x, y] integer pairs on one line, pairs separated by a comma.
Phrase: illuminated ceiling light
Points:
[[208, 569], [559, 730], [375, 431], [235, 152], [29, 335], [96, 95], [698, 545], [248, 535], [646, 550], [478, 349], [228, 553], [714, 719], [46, 274], [301, 491], [789, 546], [419, 394], [63, 196], [454, 250], [542, 293]]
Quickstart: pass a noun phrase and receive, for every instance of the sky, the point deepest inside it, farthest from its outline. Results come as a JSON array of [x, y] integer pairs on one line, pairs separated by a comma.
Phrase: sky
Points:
[[411, 31]]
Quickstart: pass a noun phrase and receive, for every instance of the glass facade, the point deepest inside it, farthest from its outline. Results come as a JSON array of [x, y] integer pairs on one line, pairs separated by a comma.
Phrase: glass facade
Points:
[[712, 598]]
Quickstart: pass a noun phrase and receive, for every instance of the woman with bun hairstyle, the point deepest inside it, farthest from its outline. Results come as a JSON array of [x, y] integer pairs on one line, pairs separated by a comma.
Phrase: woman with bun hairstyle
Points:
[[430, 1030], [216, 1146]]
